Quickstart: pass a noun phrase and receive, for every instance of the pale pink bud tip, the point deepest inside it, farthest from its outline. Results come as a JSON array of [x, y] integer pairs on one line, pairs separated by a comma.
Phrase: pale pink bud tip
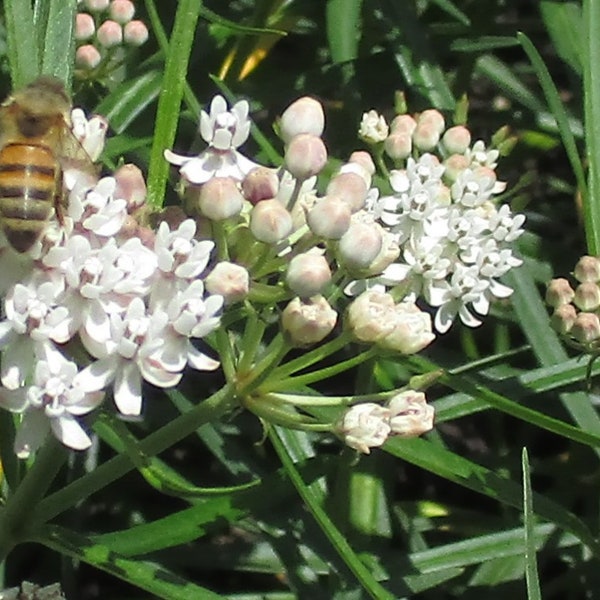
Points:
[[587, 269], [559, 292], [398, 145], [135, 33], [434, 118], [587, 296], [97, 5], [351, 187], [261, 183], [220, 198], [87, 57], [360, 245], [228, 280], [270, 221], [426, 136], [305, 115], [305, 156], [403, 124], [329, 218], [308, 321], [563, 318], [84, 26], [586, 328], [121, 11], [457, 139], [364, 159], [308, 274], [110, 34], [130, 186]]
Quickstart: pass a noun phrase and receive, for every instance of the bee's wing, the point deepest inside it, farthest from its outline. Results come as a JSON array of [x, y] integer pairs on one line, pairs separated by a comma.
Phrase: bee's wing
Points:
[[72, 155]]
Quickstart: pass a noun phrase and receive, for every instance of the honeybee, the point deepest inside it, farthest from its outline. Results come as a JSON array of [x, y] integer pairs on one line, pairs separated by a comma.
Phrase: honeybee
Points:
[[36, 141]]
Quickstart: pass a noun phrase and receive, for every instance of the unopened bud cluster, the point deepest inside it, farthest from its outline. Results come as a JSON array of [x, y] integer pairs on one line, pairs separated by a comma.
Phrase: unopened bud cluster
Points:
[[576, 310], [104, 29]]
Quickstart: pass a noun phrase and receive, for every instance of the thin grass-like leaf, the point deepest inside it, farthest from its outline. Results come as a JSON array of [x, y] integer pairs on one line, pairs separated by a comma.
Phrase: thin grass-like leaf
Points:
[[564, 23], [531, 570], [147, 576], [23, 49], [169, 101], [58, 46], [591, 93], [343, 28]]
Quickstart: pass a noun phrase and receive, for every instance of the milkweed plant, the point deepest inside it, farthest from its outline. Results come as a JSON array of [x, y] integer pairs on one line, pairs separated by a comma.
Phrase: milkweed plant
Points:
[[266, 279]]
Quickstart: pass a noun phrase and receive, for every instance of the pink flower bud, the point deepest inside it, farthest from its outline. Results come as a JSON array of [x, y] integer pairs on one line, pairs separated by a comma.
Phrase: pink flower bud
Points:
[[270, 221], [390, 251], [426, 136], [455, 165], [135, 33], [410, 414], [587, 269], [412, 329], [131, 186], [87, 57], [84, 26], [403, 124], [305, 156], [329, 218], [228, 280], [360, 245], [586, 328], [434, 118], [457, 139], [308, 274], [368, 316], [364, 426], [587, 296], [121, 11], [220, 199], [305, 115], [97, 5], [364, 159], [563, 319], [110, 34], [351, 187], [259, 184], [559, 292], [308, 321], [398, 145]]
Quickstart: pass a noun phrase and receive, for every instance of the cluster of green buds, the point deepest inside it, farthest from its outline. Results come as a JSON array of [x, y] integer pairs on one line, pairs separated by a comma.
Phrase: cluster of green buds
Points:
[[104, 29], [576, 311]]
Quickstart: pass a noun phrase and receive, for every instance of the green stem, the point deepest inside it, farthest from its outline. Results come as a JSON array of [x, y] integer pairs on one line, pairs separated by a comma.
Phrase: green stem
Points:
[[212, 408], [276, 384], [253, 334], [15, 519]]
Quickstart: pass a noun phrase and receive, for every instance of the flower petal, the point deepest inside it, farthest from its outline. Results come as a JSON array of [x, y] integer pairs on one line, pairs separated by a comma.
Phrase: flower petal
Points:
[[68, 430], [31, 434], [128, 390]]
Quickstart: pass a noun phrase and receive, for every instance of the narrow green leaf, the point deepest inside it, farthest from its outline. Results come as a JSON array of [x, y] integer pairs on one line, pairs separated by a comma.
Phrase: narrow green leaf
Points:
[[483, 44], [23, 50], [145, 575], [129, 99], [362, 573], [169, 100], [453, 467], [564, 23], [531, 570], [343, 21], [558, 110], [591, 92], [58, 48]]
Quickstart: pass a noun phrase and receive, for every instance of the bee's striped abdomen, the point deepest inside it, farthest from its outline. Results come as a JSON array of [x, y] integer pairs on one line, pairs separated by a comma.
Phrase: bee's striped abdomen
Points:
[[28, 189]]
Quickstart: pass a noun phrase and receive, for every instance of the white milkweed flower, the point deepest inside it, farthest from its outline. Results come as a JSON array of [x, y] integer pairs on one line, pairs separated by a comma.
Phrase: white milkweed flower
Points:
[[91, 133], [224, 131], [373, 127], [51, 403]]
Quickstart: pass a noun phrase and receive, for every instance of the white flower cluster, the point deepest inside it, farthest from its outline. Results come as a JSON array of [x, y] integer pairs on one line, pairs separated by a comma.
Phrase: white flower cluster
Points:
[[455, 241], [128, 309]]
